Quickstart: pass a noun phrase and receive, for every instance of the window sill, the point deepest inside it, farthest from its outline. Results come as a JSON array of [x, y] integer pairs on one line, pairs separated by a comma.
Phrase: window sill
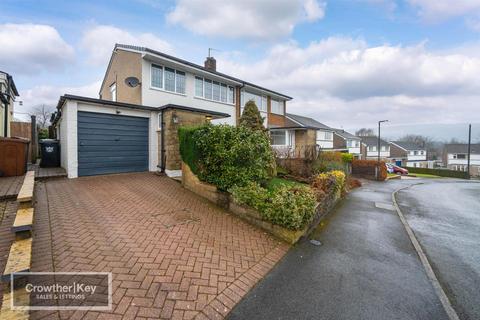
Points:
[[166, 91]]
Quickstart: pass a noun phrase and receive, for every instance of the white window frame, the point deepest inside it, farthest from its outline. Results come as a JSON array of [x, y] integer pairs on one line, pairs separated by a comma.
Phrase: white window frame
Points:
[[154, 65], [113, 91], [280, 105], [220, 94], [287, 138]]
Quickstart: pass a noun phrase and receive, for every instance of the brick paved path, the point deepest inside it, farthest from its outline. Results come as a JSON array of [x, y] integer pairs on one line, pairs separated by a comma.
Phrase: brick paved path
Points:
[[7, 216], [172, 254]]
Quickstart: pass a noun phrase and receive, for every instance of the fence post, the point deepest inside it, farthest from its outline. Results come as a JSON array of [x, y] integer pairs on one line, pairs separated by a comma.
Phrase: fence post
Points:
[[34, 140]]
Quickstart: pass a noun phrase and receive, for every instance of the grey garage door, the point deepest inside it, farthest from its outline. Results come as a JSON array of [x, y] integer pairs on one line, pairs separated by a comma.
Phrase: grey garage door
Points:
[[111, 143]]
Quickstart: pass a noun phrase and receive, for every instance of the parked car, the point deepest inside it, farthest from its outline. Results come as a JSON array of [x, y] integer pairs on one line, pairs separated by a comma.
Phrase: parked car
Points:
[[391, 168]]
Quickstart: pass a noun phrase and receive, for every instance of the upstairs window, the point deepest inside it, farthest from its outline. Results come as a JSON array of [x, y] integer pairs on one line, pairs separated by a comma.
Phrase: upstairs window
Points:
[[223, 93], [199, 87], [180, 82], [168, 79], [208, 89], [260, 101], [276, 106], [214, 90]]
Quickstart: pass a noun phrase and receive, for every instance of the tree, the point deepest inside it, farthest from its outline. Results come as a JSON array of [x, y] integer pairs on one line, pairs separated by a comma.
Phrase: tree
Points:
[[43, 114], [365, 132], [251, 117]]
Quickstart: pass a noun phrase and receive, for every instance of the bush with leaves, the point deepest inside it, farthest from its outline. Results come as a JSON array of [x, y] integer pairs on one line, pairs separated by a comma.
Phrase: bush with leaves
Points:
[[292, 207], [251, 117], [328, 184], [226, 156], [347, 157]]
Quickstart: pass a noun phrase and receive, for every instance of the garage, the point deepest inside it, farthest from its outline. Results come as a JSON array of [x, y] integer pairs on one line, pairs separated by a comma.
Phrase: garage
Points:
[[111, 143]]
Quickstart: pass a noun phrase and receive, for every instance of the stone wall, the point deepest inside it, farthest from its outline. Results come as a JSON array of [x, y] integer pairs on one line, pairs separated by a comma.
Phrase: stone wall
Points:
[[223, 199], [174, 119]]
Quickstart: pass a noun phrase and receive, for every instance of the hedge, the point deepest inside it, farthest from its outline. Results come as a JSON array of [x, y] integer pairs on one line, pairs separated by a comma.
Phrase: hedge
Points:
[[292, 207], [439, 172], [188, 150], [226, 156], [366, 168]]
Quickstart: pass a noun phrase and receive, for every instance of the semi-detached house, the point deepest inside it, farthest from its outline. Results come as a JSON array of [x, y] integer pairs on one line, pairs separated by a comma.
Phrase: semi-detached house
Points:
[[144, 97]]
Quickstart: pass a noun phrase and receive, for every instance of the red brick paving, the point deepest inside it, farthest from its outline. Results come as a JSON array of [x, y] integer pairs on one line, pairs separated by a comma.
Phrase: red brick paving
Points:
[[7, 216], [198, 268], [10, 186]]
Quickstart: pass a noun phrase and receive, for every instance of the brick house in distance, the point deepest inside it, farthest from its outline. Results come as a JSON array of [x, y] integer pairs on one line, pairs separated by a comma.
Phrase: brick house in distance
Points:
[[345, 141], [369, 148], [296, 134], [455, 157], [408, 154]]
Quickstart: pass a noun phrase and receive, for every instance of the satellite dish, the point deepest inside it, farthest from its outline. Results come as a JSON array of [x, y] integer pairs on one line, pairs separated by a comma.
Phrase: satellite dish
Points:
[[132, 82]]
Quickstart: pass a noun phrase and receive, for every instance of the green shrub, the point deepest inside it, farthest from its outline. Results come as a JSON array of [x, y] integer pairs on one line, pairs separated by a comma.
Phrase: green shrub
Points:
[[329, 183], [226, 156], [251, 117], [328, 161], [252, 195], [188, 150], [439, 172], [347, 157], [292, 207]]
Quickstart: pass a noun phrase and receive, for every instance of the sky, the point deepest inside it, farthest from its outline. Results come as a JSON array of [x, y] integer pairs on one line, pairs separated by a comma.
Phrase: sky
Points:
[[346, 63]]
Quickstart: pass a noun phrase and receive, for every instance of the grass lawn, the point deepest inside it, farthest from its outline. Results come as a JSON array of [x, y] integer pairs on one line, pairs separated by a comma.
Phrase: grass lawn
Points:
[[424, 175], [276, 182], [392, 174]]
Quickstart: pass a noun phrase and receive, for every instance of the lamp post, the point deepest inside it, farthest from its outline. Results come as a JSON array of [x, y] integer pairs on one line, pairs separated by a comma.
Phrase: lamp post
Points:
[[378, 143]]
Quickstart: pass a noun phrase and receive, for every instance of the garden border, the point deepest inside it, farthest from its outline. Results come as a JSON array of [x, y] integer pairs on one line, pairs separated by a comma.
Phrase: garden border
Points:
[[223, 199]]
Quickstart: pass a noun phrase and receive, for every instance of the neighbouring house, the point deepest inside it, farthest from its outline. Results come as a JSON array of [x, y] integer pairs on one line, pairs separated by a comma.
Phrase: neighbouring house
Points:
[[8, 93], [455, 157], [347, 142], [144, 97], [296, 134], [369, 148], [409, 154]]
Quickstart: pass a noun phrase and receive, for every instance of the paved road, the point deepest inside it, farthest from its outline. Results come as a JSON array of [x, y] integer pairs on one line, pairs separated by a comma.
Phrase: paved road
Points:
[[445, 217], [366, 269]]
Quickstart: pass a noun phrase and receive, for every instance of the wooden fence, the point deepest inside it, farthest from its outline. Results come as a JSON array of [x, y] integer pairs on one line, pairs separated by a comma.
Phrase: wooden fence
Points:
[[24, 130]]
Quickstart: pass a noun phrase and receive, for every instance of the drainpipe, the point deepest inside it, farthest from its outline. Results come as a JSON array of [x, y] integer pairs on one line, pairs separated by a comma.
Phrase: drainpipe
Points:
[[5, 120], [162, 145]]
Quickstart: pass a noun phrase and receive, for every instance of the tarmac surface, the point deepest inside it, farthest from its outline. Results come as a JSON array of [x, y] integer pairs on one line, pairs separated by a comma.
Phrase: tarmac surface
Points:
[[365, 268], [445, 217]]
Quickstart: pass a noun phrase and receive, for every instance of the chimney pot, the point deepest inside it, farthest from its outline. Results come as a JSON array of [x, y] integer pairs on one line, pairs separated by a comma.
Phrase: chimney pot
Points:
[[211, 64]]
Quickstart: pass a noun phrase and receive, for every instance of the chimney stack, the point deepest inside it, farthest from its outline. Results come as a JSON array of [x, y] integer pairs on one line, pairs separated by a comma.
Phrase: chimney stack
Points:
[[211, 64]]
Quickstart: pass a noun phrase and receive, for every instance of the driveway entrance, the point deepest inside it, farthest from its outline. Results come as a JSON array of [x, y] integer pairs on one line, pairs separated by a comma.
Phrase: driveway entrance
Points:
[[172, 254]]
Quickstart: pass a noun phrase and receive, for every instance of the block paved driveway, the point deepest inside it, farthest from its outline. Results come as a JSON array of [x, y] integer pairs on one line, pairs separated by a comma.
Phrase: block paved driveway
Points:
[[172, 254]]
